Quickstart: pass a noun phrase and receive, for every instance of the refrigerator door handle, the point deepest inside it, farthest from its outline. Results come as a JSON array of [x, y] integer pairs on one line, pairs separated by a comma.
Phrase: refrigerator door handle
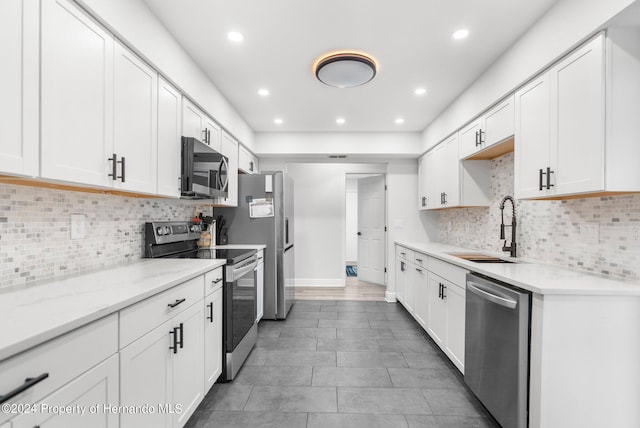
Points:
[[286, 230]]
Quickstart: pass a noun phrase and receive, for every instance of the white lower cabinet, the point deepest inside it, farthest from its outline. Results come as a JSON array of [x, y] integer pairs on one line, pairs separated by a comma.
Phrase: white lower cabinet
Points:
[[419, 279], [91, 396], [212, 338], [433, 292], [164, 369]]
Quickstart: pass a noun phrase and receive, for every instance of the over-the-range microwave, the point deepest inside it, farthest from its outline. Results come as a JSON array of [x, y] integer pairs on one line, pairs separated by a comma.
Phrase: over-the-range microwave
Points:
[[204, 172]]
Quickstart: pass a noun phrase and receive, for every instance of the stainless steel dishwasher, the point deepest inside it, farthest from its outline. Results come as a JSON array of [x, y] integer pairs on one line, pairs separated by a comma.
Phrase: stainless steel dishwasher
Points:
[[497, 331]]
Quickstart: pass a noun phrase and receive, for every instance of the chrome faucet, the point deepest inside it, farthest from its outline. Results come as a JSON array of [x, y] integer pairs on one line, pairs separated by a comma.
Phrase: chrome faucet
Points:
[[511, 248]]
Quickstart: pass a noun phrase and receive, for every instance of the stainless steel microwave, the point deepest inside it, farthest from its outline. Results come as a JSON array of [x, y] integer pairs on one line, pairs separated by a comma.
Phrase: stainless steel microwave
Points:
[[205, 172]]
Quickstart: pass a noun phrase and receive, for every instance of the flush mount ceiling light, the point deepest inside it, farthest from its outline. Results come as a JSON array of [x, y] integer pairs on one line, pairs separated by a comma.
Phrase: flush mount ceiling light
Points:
[[460, 34], [235, 37], [345, 69]]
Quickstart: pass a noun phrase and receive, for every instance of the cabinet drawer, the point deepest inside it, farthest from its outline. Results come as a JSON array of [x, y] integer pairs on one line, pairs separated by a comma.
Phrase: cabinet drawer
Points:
[[213, 281], [144, 316], [63, 359], [449, 272], [421, 259], [405, 253]]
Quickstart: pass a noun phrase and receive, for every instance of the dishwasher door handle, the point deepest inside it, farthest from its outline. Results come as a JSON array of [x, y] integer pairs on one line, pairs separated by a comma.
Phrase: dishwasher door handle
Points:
[[498, 300]]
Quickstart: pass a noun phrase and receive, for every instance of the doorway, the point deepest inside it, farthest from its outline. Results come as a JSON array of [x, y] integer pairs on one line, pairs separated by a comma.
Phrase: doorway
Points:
[[365, 230]]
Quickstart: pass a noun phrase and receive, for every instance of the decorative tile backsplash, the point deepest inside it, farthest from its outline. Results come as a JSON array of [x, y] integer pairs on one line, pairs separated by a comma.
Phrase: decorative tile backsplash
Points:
[[35, 236], [600, 235]]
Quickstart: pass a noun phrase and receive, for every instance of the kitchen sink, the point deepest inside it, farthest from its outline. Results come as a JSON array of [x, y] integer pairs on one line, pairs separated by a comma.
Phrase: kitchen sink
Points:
[[479, 258]]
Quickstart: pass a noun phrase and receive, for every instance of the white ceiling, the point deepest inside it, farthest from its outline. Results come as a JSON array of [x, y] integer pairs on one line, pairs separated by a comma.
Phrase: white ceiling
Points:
[[411, 40]]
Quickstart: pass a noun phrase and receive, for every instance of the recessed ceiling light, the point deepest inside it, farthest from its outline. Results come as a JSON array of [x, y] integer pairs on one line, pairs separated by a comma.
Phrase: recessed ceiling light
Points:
[[420, 91], [234, 36], [278, 121], [460, 34], [345, 69], [340, 121], [399, 121], [263, 92]]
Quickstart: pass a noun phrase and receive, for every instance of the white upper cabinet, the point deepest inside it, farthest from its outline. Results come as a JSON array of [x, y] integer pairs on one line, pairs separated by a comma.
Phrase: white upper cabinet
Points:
[[196, 124], [76, 96], [19, 83], [533, 133], [494, 126], [230, 150], [135, 135], [169, 133], [447, 182], [247, 161], [576, 128]]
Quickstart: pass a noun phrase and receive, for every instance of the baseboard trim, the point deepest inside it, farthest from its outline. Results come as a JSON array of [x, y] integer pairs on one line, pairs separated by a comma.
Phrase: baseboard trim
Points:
[[390, 296]]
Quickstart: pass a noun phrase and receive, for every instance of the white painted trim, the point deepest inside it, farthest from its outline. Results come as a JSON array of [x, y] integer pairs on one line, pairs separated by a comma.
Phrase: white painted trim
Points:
[[323, 282], [390, 296]]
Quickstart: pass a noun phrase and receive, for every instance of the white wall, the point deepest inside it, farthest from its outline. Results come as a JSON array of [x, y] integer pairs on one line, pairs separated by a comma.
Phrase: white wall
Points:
[[319, 231], [565, 26], [135, 24], [363, 144]]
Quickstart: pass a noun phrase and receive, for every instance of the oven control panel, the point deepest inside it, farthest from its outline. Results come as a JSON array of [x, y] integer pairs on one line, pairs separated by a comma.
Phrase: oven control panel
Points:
[[164, 232]]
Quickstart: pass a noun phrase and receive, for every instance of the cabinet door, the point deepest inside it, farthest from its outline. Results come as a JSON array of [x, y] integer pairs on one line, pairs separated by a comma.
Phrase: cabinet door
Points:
[[577, 140], [450, 172], [76, 95], [423, 180], [187, 378], [420, 279], [409, 288], [455, 304], [498, 123], [230, 149], [212, 339], [135, 122], [436, 321], [193, 121], [401, 279], [97, 388], [433, 178], [19, 87], [214, 134], [169, 146], [244, 158], [260, 287], [532, 136], [145, 372], [470, 139]]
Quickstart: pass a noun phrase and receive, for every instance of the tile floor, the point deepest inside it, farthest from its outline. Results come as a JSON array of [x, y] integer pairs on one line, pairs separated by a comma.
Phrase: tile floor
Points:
[[343, 364]]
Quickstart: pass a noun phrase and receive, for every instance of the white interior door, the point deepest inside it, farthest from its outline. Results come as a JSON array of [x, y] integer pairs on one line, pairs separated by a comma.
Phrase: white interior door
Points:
[[371, 229]]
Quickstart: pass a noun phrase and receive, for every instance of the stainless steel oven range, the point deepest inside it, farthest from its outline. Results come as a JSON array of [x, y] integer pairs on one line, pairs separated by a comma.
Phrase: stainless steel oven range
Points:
[[239, 329]]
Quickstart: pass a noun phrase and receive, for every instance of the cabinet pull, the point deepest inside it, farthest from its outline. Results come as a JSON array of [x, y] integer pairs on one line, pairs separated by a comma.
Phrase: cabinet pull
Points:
[[28, 383], [121, 162], [205, 131], [402, 267], [439, 290], [549, 172], [424, 201], [181, 340], [540, 180], [215, 281], [477, 139], [481, 138], [174, 347], [210, 316], [444, 288], [251, 166], [419, 270], [444, 198], [419, 260], [176, 303], [114, 166]]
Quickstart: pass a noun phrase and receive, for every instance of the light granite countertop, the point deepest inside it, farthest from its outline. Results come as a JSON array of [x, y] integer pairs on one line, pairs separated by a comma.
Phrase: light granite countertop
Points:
[[34, 314], [536, 277]]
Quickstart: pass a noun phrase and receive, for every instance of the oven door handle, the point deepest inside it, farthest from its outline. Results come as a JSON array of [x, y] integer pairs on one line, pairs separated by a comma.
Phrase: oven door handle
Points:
[[507, 303], [248, 266]]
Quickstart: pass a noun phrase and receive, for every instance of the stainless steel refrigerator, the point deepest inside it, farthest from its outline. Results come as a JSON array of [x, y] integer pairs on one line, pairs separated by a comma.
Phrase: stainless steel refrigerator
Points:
[[265, 216]]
